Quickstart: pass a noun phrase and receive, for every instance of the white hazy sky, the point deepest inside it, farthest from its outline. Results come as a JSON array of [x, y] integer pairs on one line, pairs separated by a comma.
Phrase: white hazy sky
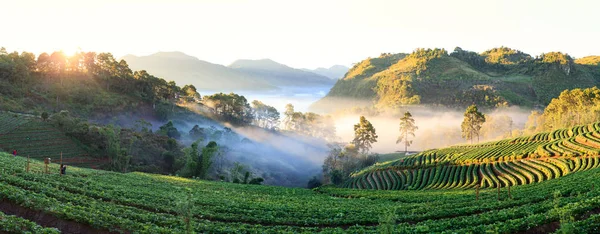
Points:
[[303, 34]]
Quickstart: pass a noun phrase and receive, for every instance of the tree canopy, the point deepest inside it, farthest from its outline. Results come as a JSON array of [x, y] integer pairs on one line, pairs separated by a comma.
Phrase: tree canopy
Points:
[[407, 127], [471, 125], [364, 135]]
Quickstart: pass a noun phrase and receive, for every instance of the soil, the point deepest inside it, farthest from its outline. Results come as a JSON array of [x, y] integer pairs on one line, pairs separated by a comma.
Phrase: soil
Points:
[[47, 220]]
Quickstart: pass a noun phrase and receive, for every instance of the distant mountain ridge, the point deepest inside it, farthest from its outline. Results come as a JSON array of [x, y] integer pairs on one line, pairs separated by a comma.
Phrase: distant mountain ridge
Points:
[[279, 74], [335, 72], [250, 75], [497, 77]]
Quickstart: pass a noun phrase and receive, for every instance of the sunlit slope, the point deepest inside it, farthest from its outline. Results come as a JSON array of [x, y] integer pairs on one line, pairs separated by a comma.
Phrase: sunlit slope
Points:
[[516, 161], [146, 203], [497, 77]]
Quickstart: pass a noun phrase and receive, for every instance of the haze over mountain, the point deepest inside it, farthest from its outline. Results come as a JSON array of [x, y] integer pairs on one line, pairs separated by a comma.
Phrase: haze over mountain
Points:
[[252, 75], [335, 72], [279, 74]]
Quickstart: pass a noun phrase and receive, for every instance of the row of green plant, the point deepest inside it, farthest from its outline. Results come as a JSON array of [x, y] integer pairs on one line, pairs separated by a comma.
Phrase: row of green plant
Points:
[[9, 122], [40, 140], [494, 174], [164, 204]]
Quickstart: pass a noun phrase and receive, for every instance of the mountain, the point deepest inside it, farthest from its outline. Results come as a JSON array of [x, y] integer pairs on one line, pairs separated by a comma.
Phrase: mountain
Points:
[[278, 74], [334, 72], [253, 75], [185, 69], [497, 77]]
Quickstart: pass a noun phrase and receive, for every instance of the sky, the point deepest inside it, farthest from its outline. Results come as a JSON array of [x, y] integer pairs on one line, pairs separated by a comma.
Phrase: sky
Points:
[[301, 34]]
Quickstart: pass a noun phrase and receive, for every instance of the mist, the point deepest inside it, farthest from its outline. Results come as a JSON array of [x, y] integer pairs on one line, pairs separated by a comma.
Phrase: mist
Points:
[[438, 127]]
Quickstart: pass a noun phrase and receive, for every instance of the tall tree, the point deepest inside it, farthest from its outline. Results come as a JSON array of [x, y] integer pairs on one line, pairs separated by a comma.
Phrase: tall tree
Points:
[[364, 135], [471, 125], [407, 127], [289, 112]]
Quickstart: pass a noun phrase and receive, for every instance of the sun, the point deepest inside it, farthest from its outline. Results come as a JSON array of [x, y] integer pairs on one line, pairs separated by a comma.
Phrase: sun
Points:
[[70, 51]]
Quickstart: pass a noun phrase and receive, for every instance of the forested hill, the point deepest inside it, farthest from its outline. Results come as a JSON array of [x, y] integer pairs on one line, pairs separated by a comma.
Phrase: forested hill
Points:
[[497, 77]]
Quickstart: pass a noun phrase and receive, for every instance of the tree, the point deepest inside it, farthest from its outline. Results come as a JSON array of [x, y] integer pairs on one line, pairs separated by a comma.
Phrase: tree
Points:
[[364, 135], [169, 130], [289, 114], [407, 127], [471, 125], [314, 183], [206, 161], [265, 116], [197, 133], [119, 159]]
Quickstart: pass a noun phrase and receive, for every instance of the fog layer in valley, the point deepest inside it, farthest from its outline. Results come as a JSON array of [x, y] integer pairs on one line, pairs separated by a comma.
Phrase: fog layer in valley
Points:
[[438, 127]]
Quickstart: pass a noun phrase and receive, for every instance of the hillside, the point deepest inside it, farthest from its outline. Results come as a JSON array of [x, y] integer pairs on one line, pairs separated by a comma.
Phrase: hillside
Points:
[[185, 69], [92, 201], [510, 162], [497, 77], [40, 140], [278, 74], [334, 72]]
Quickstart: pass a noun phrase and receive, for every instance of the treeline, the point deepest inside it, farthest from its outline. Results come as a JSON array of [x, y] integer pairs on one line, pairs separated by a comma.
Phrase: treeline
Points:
[[571, 108], [87, 83]]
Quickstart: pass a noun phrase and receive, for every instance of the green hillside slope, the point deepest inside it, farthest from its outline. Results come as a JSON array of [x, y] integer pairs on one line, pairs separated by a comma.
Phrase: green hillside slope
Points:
[[99, 201], [497, 77], [38, 140], [510, 162]]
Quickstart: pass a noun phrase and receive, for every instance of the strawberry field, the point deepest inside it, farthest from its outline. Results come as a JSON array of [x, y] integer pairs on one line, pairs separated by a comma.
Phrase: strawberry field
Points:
[[510, 162], [147, 203], [39, 140]]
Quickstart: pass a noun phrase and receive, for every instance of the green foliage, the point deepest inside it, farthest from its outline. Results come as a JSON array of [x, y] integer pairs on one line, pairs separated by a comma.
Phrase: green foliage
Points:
[[497, 77], [116, 153], [407, 127], [185, 208], [505, 56], [572, 107], [387, 222], [471, 125], [397, 92], [159, 204], [256, 181], [197, 133], [314, 183], [169, 130], [45, 116], [309, 123], [364, 135], [231, 107], [88, 84], [589, 60]]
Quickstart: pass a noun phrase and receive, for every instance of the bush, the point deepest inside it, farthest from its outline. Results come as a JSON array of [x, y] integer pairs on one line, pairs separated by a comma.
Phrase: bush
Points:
[[45, 116], [314, 183]]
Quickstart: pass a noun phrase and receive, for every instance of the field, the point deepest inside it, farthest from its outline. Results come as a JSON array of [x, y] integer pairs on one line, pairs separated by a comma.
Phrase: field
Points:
[[510, 162], [87, 200], [553, 178], [38, 140]]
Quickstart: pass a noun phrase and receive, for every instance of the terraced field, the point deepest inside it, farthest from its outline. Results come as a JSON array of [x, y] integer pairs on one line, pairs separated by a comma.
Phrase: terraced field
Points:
[[92, 201], [510, 162], [38, 140], [9, 122]]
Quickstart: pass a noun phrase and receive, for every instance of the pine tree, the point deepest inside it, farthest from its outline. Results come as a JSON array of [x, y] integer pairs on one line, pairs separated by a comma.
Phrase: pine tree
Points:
[[364, 135], [471, 125], [407, 127]]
